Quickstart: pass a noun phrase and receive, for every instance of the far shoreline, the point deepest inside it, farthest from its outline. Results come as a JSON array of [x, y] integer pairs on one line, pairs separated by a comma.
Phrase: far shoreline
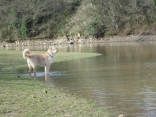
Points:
[[77, 40]]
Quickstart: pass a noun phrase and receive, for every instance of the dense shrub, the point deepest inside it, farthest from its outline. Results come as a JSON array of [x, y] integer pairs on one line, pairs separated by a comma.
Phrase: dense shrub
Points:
[[22, 19], [30, 18], [94, 28]]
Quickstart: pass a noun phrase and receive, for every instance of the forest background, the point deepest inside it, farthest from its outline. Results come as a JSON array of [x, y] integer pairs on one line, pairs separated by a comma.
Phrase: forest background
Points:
[[49, 19]]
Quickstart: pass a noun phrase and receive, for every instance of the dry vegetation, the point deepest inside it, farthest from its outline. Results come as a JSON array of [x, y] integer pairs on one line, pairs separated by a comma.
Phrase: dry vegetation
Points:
[[50, 18]]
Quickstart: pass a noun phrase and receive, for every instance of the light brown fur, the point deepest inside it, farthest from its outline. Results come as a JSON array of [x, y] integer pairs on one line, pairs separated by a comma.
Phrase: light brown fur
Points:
[[44, 60]]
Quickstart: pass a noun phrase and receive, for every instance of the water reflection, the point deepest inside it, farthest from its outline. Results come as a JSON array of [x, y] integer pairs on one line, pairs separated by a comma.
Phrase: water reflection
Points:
[[122, 79]]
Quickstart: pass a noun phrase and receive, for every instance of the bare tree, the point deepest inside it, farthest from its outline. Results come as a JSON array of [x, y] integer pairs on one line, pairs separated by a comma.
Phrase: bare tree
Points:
[[108, 12]]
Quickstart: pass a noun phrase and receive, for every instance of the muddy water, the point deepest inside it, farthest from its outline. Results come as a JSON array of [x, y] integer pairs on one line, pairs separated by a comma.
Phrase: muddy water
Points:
[[123, 79]]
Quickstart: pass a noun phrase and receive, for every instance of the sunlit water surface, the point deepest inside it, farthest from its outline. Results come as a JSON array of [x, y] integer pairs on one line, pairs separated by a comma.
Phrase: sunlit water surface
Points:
[[122, 79]]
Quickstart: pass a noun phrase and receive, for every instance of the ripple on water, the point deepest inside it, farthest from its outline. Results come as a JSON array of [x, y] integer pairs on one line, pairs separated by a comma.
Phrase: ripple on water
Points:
[[42, 74]]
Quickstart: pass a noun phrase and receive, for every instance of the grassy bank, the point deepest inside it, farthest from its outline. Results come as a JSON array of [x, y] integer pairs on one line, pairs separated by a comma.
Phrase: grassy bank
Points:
[[22, 96]]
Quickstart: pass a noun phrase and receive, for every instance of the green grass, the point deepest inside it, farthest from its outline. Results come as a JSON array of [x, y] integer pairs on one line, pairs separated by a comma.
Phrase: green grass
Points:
[[8, 59], [26, 97]]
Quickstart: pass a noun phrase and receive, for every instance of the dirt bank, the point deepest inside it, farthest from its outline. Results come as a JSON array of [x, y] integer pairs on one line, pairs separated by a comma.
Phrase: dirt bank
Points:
[[77, 40]]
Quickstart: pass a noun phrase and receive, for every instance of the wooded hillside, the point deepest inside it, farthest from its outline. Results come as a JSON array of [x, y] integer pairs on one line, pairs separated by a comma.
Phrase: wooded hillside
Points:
[[29, 19]]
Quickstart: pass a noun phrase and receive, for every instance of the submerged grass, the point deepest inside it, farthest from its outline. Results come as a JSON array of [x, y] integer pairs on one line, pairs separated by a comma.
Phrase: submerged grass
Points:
[[24, 97]]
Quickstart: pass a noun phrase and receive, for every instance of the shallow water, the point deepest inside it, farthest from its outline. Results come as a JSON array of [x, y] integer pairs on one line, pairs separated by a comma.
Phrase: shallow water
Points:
[[42, 74], [122, 79]]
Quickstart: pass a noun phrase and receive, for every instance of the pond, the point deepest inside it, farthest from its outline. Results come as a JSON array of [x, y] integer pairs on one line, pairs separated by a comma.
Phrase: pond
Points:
[[122, 79]]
